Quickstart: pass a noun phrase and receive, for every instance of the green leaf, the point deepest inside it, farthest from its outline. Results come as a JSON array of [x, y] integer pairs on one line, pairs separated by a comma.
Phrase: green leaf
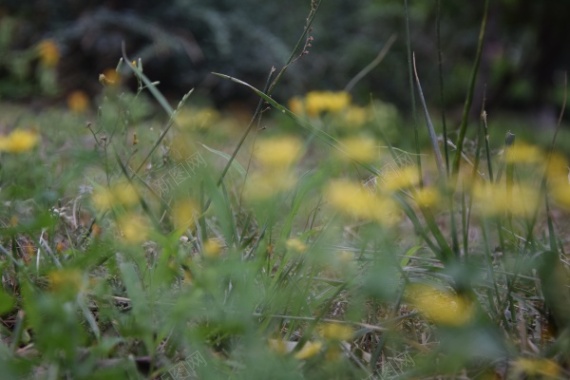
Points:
[[235, 165], [6, 302], [408, 254]]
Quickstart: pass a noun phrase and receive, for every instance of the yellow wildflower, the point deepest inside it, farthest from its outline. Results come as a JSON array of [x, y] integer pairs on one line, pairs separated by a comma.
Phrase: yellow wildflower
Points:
[[18, 141], [183, 214], [211, 249], [78, 101], [264, 185], [134, 228], [354, 200], [439, 306], [355, 117], [360, 149], [427, 197], [336, 331], [103, 199], [494, 199], [296, 245], [296, 105], [561, 194], [317, 102], [537, 367], [278, 346], [523, 154], [65, 280], [278, 152], [309, 350], [557, 169], [125, 193], [182, 148], [121, 193], [49, 53], [110, 77], [400, 178], [196, 118]]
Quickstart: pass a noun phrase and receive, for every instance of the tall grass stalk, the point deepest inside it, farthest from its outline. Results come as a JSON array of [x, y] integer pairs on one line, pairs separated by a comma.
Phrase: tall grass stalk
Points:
[[470, 92]]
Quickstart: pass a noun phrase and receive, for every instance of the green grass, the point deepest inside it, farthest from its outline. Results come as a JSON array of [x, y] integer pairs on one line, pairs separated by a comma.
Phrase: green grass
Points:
[[302, 245]]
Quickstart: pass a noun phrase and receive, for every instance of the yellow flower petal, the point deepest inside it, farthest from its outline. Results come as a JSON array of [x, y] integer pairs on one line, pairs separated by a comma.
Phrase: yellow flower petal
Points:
[[49, 53], [278, 152], [398, 179], [427, 197], [360, 149], [439, 306], [78, 101], [355, 200], [183, 214], [296, 245], [211, 249], [309, 350], [18, 141], [537, 367], [523, 153], [317, 102], [336, 331], [495, 199], [134, 228]]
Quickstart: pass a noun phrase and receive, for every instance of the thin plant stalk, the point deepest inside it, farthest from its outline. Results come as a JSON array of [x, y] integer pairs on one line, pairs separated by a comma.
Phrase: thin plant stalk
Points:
[[441, 84], [412, 92], [470, 92]]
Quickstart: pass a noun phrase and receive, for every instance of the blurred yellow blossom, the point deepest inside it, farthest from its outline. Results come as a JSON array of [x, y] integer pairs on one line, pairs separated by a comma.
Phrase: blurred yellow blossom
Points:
[[78, 101], [263, 184], [49, 53], [65, 280], [427, 197], [278, 152], [399, 178], [354, 117], [309, 350], [296, 105], [537, 367], [296, 245], [18, 141], [110, 77], [523, 153], [355, 200], [278, 346], [211, 249], [336, 331], [560, 192], [184, 212], [557, 169], [360, 149], [196, 118], [439, 306], [121, 193], [134, 228], [495, 199], [103, 199], [317, 102]]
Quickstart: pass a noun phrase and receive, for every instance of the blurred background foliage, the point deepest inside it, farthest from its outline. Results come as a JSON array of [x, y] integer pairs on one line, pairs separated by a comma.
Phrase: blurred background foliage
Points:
[[181, 42]]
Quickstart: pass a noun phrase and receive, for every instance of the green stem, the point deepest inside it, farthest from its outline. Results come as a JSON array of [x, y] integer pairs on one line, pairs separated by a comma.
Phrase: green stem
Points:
[[412, 93], [469, 99]]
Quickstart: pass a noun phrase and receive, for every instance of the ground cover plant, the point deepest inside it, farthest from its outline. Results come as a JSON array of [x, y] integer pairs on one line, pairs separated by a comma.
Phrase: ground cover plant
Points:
[[303, 245]]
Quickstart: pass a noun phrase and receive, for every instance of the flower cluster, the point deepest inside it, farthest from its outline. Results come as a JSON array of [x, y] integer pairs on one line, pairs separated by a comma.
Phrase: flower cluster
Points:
[[275, 174], [18, 141], [317, 102], [48, 52]]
